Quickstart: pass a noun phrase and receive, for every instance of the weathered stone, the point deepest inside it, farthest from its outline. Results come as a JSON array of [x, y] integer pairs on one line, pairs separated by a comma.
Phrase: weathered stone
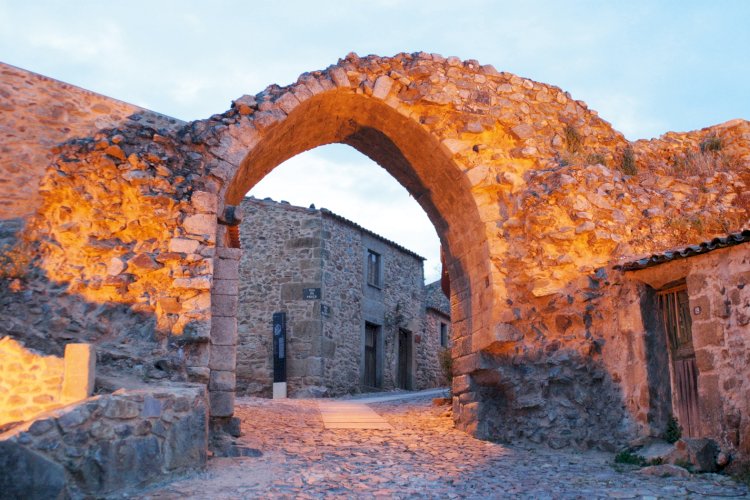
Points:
[[80, 372], [512, 256], [25, 474], [187, 442], [227, 269], [183, 245], [200, 224], [221, 403], [115, 266], [196, 283], [142, 262], [122, 409], [224, 330], [152, 407], [498, 341], [701, 453], [664, 470], [225, 287], [224, 305], [223, 357], [222, 381]]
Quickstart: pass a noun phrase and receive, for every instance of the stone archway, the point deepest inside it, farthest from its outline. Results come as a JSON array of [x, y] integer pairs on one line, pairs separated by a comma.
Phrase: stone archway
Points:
[[407, 151], [534, 197], [458, 136]]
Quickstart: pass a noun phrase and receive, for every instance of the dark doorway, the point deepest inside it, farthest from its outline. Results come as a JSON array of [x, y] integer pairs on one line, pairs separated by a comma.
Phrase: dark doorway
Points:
[[404, 360], [675, 309], [372, 332]]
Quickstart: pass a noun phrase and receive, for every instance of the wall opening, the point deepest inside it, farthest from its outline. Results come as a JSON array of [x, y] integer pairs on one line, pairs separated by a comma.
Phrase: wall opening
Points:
[[333, 240], [416, 159]]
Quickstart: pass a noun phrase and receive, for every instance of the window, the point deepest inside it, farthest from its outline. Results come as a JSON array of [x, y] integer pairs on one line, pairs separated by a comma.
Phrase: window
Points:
[[443, 335], [373, 269]]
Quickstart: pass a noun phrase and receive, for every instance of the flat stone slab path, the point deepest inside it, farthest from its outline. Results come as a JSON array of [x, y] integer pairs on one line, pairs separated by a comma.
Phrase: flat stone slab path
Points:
[[420, 456], [350, 415]]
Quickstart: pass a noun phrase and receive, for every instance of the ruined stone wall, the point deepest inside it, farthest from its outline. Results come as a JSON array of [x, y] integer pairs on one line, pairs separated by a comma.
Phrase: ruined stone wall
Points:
[[281, 256], [37, 114], [718, 285], [120, 253], [106, 444], [30, 383]]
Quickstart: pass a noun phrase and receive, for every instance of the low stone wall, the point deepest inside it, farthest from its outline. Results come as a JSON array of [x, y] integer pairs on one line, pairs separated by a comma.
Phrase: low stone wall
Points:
[[31, 383], [106, 444]]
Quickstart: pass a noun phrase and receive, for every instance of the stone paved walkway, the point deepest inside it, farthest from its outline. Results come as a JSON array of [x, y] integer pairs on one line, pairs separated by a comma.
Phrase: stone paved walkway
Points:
[[422, 456], [350, 415]]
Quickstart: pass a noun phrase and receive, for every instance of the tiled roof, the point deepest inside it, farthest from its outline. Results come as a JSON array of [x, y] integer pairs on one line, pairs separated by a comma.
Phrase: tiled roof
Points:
[[353, 224], [688, 251]]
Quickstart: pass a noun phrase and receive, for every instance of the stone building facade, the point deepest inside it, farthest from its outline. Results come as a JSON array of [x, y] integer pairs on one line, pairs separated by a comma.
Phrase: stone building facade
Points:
[[437, 333], [354, 305], [689, 312]]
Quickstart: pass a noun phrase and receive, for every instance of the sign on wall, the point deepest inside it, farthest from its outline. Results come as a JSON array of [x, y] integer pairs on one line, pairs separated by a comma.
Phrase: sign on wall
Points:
[[311, 293], [325, 311], [279, 347]]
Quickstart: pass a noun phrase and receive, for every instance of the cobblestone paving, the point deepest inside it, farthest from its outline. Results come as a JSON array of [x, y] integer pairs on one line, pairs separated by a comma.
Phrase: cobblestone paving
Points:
[[422, 457]]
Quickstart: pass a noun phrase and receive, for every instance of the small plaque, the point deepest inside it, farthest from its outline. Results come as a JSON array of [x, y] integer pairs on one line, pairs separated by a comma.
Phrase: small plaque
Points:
[[325, 311], [311, 293]]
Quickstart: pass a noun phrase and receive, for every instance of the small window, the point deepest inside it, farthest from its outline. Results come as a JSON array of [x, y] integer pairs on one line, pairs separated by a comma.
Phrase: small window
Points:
[[373, 269], [443, 335]]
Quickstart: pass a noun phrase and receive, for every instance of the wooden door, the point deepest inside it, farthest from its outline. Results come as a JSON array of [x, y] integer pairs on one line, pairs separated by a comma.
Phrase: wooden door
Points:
[[404, 360], [675, 309]]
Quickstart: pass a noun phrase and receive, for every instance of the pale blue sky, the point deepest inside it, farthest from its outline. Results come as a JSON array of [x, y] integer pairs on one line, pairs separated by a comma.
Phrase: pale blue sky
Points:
[[646, 66]]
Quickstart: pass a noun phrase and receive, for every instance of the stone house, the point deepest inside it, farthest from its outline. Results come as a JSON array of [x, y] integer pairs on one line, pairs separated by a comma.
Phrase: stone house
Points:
[[354, 305], [693, 307], [437, 326]]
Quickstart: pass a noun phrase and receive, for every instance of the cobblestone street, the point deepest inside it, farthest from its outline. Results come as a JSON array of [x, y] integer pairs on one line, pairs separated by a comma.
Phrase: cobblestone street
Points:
[[422, 456]]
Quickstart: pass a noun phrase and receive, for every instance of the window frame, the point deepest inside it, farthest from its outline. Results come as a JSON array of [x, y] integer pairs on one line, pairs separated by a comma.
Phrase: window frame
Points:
[[374, 271]]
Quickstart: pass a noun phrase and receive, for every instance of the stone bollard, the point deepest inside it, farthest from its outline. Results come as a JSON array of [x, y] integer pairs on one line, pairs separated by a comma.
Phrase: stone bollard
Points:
[[79, 372]]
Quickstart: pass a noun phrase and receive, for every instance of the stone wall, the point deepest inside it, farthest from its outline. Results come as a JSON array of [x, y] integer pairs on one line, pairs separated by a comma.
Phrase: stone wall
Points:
[[120, 254], [106, 444], [281, 256], [402, 298], [438, 309], [430, 372], [343, 278], [37, 114], [31, 383], [718, 285]]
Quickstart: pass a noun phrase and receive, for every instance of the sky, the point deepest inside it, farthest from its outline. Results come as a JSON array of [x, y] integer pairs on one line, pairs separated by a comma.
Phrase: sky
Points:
[[647, 67]]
